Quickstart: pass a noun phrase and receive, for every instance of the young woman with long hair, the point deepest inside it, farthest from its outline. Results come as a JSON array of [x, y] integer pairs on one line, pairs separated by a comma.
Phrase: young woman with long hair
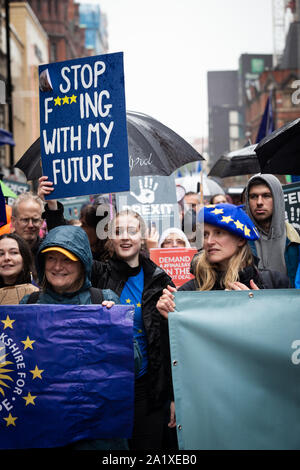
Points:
[[226, 261], [140, 282], [16, 269]]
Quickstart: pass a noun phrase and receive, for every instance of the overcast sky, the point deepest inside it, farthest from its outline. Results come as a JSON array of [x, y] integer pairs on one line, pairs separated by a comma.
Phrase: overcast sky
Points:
[[169, 45]]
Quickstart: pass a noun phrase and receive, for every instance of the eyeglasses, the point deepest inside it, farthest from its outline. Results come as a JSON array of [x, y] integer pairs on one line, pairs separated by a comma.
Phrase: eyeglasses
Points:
[[26, 221]]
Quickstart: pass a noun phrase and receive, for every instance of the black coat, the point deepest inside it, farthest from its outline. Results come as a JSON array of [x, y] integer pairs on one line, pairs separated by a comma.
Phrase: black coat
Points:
[[113, 275], [264, 279]]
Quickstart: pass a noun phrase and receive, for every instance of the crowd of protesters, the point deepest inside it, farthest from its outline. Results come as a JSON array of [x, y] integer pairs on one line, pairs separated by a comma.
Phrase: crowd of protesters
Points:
[[249, 247]]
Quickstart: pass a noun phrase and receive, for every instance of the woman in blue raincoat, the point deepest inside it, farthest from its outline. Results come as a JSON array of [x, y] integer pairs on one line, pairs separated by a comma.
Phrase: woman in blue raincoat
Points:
[[64, 262]]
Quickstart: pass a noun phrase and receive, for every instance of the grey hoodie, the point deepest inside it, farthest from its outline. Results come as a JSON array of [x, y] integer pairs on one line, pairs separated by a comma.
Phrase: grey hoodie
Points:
[[270, 247]]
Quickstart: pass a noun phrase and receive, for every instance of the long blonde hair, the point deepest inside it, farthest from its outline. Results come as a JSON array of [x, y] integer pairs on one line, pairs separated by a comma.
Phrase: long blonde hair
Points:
[[206, 273]]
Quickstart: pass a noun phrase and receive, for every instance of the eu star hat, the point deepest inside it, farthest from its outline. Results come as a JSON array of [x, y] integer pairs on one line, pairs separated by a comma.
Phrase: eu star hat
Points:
[[231, 218]]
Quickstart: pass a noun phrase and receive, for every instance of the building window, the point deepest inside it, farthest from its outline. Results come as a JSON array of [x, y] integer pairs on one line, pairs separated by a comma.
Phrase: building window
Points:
[[53, 52]]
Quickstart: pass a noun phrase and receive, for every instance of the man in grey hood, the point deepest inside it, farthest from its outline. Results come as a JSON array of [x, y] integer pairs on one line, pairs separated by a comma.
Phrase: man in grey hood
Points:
[[278, 245]]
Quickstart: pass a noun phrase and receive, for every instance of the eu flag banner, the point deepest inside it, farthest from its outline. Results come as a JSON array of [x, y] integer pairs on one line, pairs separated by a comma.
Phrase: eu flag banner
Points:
[[84, 146], [236, 369], [66, 374]]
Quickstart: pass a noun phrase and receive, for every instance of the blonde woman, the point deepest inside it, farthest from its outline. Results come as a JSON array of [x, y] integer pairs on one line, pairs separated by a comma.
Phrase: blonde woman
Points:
[[226, 261]]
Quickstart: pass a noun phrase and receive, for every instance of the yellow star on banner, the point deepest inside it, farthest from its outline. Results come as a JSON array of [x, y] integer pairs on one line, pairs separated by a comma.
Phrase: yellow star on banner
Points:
[[10, 420], [36, 373], [57, 101], [28, 343], [73, 99], [128, 301], [239, 225], [65, 100], [247, 231], [227, 219], [138, 304], [217, 211], [8, 322], [29, 399]]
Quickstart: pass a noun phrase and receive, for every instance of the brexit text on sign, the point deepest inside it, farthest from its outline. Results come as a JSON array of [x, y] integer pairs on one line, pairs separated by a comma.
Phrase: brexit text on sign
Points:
[[84, 147]]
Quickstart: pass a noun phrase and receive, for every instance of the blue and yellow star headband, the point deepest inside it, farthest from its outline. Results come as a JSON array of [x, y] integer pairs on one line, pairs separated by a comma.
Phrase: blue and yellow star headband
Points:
[[231, 218]]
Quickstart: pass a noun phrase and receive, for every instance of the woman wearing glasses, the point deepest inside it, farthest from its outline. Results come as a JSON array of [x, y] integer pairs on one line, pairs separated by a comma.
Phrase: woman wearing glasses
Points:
[[138, 281]]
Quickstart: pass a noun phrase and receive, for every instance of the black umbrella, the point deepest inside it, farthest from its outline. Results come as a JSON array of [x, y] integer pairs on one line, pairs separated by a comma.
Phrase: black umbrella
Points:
[[243, 161], [279, 152], [30, 163], [154, 149]]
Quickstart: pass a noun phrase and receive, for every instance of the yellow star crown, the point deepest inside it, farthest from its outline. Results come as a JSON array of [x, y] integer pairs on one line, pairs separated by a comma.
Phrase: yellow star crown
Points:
[[57, 101], [247, 231], [227, 219], [10, 420], [8, 322], [239, 225], [36, 372], [28, 343], [29, 399], [217, 211]]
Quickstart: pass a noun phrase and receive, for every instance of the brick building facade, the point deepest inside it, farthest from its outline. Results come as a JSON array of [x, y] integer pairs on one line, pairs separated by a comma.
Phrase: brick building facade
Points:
[[60, 19], [285, 99]]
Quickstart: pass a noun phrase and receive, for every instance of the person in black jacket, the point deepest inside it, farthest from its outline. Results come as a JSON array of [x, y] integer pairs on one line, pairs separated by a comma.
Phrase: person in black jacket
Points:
[[137, 280], [226, 262]]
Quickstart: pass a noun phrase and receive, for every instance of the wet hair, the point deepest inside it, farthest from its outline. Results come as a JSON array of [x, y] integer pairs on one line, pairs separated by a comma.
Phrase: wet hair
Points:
[[206, 273], [142, 226], [256, 182], [28, 271], [88, 213], [24, 197]]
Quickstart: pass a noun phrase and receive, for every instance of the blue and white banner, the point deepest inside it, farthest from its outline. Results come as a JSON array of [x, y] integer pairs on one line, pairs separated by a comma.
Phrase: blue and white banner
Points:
[[66, 374], [84, 147]]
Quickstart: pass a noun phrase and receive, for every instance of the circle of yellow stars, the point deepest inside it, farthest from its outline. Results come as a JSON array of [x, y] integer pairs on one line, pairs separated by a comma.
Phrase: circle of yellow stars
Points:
[[227, 219], [36, 372], [60, 101]]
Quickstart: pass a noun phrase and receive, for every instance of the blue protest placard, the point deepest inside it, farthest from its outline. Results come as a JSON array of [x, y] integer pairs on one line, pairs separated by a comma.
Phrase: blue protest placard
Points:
[[66, 374], [84, 147]]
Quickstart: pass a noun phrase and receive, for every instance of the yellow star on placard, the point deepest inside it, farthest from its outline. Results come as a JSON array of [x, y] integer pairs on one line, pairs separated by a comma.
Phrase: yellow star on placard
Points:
[[239, 225], [128, 301], [217, 211], [8, 322], [29, 399], [247, 231], [227, 219], [28, 343], [65, 100], [138, 304], [73, 99], [10, 420], [57, 101], [36, 373]]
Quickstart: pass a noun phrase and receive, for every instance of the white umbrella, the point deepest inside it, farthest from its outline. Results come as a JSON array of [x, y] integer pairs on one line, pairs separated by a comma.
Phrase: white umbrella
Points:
[[190, 183]]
